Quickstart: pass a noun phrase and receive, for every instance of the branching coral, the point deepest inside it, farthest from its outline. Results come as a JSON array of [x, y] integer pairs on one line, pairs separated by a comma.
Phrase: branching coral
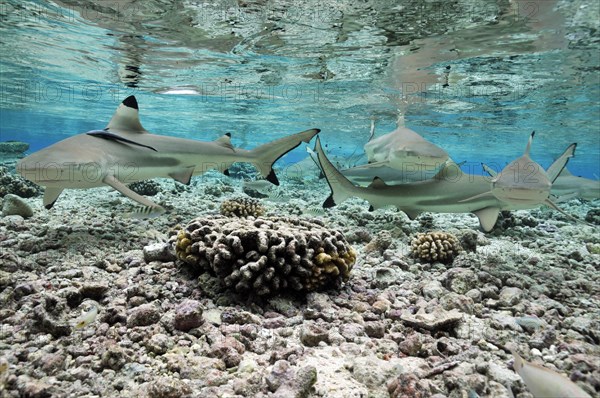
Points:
[[242, 207], [267, 256], [435, 246]]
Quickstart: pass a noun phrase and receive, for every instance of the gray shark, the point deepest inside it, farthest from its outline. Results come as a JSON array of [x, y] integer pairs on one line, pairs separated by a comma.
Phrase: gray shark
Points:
[[124, 152], [564, 188], [567, 187], [404, 149], [524, 182], [449, 191]]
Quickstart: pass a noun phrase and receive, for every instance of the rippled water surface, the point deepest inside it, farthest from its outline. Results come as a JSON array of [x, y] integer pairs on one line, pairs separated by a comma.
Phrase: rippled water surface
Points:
[[475, 77]]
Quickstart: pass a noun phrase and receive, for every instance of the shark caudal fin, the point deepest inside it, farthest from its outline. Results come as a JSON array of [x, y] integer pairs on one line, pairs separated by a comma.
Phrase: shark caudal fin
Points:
[[341, 187], [267, 154]]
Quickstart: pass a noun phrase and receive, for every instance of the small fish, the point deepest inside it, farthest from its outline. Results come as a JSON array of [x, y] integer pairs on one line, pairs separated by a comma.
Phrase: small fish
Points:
[[545, 383], [87, 318], [472, 394], [315, 211], [262, 186], [278, 197], [143, 212]]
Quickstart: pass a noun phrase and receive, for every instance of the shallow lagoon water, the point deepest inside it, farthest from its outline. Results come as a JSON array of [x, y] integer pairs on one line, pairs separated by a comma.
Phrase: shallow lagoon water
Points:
[[473, 77]]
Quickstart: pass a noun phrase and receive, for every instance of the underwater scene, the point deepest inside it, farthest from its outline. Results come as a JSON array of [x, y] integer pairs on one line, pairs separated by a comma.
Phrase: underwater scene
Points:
[[268, 198]]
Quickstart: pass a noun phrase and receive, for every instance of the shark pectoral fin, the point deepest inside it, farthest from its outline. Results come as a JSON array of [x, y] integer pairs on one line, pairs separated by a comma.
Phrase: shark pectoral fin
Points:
[[50, 196], [555, 207], [184, 176], [481, 195], [225, 141], [411, 214], [487, 217], [111, 181]]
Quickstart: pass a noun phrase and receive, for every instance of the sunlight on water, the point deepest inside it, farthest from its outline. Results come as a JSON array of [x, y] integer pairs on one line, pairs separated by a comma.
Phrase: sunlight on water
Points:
[[474, 77]]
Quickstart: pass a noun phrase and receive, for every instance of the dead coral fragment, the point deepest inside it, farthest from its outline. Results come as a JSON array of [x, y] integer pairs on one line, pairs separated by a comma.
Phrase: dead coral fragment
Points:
[[435, 246], [268, 255], [242, 207]]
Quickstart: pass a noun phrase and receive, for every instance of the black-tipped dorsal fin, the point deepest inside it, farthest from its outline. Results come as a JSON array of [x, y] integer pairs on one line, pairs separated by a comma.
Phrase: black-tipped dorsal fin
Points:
[[225, 141], [126, 117], [528, 148], [377, 183]]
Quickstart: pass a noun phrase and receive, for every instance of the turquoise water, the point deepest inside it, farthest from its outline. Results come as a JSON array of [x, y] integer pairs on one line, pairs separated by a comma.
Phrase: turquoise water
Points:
[[261, 70]]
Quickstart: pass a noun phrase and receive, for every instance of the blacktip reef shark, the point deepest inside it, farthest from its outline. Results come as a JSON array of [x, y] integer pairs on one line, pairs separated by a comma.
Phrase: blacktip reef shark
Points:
[[124, 152], [523, 182], [403, 148], [565, 187], [449, 191], [402, 156], [568, 186]]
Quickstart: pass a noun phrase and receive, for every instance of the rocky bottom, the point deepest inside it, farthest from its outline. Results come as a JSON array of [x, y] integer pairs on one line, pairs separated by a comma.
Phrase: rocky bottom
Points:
[[399, 327]]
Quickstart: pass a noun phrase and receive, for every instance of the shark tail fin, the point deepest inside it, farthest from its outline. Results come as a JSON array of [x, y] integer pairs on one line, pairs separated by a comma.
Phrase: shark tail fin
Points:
[[265, 155], [341, 187]]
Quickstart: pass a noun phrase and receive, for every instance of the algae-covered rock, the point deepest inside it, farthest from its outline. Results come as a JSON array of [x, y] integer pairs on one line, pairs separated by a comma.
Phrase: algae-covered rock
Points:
[[12, 205], [267, 256]]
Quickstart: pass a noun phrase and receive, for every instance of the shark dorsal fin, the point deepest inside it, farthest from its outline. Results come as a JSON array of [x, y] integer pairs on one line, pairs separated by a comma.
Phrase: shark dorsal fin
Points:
[[529, 144], [126, 117], [377, 183], [225, 141]]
